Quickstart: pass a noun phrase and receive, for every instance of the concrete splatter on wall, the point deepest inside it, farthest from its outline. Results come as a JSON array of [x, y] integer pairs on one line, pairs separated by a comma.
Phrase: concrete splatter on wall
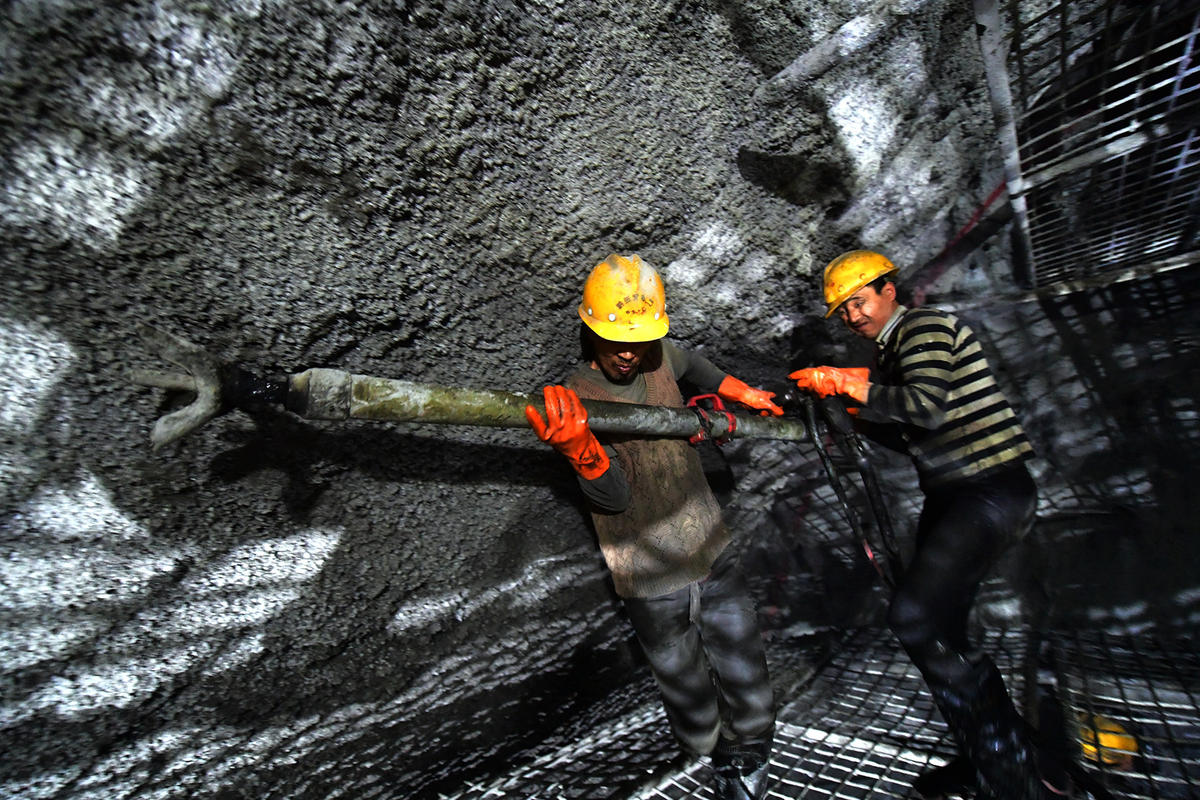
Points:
[[284, 608]]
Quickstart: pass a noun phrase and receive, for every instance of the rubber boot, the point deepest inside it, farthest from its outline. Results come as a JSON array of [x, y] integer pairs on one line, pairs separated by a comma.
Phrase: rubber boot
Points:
[[955, 778], [990, 734], [740, 772]]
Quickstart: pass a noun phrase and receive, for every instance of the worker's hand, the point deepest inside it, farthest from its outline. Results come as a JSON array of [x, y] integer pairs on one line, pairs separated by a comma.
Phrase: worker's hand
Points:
[[825, 381], [735, 390], [565, 429]]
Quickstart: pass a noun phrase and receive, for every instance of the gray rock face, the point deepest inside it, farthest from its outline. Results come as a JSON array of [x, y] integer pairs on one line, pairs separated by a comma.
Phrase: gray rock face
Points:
[[281, 608]]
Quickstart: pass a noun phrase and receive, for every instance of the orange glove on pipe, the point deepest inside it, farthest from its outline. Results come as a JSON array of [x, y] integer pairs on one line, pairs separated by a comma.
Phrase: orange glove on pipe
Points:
[[737, 391], [825, 381], [566, 430]]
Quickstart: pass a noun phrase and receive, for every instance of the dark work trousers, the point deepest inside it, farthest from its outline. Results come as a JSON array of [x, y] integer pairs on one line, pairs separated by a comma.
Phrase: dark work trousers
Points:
[[962, 531], [704, 647]]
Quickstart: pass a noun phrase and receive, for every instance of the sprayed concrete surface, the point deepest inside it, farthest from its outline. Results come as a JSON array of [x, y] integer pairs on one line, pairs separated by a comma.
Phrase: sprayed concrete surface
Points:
[[415, 189]]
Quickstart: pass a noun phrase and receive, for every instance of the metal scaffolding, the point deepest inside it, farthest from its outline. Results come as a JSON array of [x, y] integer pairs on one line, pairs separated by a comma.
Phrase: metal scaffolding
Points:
[[1099, 109]]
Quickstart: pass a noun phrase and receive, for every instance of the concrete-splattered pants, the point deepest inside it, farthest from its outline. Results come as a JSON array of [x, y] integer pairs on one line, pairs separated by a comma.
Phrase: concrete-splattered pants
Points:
[[706, 652]]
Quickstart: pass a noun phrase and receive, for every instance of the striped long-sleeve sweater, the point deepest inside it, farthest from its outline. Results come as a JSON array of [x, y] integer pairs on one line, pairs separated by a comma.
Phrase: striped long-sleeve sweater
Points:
[[935, 381]]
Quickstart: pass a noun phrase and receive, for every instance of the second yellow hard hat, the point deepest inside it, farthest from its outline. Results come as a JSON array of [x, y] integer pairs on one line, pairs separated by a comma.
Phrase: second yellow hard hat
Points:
[[851, 271]]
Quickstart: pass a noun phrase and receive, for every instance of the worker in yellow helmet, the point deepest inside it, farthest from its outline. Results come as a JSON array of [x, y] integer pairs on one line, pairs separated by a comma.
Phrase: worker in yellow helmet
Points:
[[660, 528], [932, 392]]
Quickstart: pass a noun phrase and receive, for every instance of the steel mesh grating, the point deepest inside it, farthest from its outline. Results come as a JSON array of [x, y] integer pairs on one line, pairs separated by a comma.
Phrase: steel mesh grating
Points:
[[864, 726], [1149, 683], [1108, 97]]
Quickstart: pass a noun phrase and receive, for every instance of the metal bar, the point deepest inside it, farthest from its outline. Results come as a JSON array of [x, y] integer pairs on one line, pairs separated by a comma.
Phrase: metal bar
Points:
[[1064, 247], [1064, 269], [1116, 90], [1113, 149], [1192, 213], [1167, 218], [331, 394], [1108, 279], [1033, 43], [1184, 682], [1107, 206], [1148, 80], [1064, 27], [1185, 59], [1181, 163], [1087, 126], [1172, 71], [1104, 204], [992, 45], [978, 230]]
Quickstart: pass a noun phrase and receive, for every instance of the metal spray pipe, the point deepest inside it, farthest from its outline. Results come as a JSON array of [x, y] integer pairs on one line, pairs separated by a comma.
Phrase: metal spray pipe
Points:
[[336, 395], [332, 394]]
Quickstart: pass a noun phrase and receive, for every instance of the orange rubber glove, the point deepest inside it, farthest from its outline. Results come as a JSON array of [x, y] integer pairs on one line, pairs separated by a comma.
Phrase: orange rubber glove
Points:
[[737, 391], [566, 430], [825, 381]]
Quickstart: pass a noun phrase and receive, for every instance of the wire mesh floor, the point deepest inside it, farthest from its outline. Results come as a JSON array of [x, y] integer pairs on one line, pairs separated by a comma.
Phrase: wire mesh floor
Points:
[[1150, 684], [856, 723]]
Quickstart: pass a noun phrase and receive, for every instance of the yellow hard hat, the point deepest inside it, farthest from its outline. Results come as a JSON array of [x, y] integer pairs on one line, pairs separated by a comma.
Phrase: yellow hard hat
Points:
[[851, 271], [624, 301], [1106, 741]]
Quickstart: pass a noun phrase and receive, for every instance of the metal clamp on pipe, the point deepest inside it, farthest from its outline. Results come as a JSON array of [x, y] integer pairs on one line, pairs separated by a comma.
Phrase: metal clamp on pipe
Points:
[[706, 422]]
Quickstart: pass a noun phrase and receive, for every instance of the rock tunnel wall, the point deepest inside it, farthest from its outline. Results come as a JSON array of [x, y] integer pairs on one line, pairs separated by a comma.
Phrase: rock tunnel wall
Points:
[[281, 608]]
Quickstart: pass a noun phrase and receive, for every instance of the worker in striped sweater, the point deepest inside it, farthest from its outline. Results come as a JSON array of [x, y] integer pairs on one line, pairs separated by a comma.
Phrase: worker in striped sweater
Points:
[[932, 394]]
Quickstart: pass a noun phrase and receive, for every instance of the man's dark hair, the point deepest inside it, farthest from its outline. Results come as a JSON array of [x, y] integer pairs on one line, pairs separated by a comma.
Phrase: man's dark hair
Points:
[[881, 281]]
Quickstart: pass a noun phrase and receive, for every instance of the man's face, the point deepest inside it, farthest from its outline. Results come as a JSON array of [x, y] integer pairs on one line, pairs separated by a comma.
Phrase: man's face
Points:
[[619, 361], [866, 311]]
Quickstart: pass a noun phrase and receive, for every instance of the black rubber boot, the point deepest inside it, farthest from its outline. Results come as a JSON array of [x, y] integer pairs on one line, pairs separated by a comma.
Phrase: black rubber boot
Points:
[[991, 734], [949, 780], [1054, 746], [731, 782], [740, 772]]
